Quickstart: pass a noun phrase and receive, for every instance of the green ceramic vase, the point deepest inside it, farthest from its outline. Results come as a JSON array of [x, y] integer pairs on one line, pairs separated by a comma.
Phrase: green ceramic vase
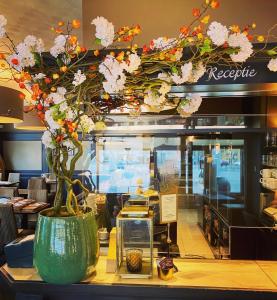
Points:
[[66, 249]]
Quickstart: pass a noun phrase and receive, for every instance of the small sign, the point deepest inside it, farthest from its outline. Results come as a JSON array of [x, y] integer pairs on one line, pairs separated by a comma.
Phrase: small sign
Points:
[[168, 208]]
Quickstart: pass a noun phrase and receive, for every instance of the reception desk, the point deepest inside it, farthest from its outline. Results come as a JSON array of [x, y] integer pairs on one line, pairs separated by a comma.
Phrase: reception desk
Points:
[[196, 279]]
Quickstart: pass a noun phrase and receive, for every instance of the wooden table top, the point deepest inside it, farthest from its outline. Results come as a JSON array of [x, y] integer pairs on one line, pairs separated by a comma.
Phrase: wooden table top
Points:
[[31, 208], [25, 206], [220, 274]]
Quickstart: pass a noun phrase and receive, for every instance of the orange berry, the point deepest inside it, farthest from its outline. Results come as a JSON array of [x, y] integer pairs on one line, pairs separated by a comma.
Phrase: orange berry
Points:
[[214, 4], [196, 12], [15, 61], [63, 69], [21, 85], [22, 96], [76, 23]]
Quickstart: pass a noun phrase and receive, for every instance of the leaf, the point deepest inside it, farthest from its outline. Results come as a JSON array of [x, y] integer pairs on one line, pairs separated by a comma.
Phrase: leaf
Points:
[[271, 52], [37, 59], [97, 41], [231, 51], [174, 70], [207, 42], [205, 49], [184, 43], [59, 62]]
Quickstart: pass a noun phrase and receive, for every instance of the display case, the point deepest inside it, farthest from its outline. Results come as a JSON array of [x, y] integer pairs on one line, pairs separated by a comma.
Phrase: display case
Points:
[[135, 245]]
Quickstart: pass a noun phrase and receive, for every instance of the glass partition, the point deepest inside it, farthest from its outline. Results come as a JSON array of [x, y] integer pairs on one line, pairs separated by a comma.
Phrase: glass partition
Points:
[[214, 174]]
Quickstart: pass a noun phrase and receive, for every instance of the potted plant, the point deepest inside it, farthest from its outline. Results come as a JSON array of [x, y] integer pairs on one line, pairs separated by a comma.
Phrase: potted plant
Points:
[[73, 89]]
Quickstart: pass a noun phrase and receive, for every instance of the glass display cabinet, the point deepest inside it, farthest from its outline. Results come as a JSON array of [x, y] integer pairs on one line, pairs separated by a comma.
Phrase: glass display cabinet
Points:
[[135, 244]]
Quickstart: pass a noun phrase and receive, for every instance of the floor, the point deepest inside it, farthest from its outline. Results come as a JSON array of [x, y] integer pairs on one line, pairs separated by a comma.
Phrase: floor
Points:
[[190, 239]]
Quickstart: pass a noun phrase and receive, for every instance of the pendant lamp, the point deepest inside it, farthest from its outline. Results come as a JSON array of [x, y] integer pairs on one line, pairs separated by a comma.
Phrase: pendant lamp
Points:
[[11, 106], [31, 121]]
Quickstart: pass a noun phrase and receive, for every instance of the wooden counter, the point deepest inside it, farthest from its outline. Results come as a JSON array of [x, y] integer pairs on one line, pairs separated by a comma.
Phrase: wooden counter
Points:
[[198, 279]]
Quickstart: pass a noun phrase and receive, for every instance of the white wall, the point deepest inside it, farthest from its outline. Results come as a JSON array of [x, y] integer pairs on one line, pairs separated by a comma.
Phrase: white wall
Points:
[[22, 155]]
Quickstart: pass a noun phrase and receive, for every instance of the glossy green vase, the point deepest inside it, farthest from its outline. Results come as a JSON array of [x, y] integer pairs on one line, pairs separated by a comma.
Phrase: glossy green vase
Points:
[[66, 249]]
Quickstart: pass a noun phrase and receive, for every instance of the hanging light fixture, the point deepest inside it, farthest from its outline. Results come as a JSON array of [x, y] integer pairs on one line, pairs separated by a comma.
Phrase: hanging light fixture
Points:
[[11, 106], [31, 121]]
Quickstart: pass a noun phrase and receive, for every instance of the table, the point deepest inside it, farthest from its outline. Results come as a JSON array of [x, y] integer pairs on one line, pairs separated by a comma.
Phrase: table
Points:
[[30, 209], [196, 279], [7, 183]]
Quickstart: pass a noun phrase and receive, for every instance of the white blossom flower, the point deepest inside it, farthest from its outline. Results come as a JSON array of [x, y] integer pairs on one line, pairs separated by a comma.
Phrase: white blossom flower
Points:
[[59, 45], [272, 65], [53, 125], [197, 72], [61, 90], [38, 76], [70, 114], [63, 106], [163, 43], [15, 62], [164, 76], [104, 31], [164, 89], [154, 101], [111, 68], [60, 40], [218, 33], [28, 60], [113, 73], [86, 123], [30, 40], [186, 70], [79, 78], [133, 63], [3, 23], [56, 50], [189, 105], [239, 40], [26, 49], [113, 86], [47, 140], [56, 98]]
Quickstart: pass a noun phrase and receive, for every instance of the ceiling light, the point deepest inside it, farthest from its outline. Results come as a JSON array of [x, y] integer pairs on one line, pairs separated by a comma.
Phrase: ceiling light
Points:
[[31, 122], [11, 106]]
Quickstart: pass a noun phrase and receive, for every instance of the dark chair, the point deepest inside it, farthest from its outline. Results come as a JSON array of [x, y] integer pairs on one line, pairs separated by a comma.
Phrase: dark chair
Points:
[[38, 195], [37, 183], [14, 178], [8, 228], [8, 192]]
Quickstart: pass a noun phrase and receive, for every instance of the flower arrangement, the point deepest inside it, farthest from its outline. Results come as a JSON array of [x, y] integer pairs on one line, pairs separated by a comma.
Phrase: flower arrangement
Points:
[[72, 89]]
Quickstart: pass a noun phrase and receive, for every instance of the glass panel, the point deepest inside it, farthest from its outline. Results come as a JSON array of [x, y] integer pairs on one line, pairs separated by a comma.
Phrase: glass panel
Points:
[[214, 174]]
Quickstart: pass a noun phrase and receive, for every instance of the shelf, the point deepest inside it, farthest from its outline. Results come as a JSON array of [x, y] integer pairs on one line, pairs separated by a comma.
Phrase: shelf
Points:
[[270, 166]]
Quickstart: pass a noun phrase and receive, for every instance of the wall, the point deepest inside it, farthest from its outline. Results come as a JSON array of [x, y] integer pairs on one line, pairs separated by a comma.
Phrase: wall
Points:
[[164, 18], [24, 153]]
